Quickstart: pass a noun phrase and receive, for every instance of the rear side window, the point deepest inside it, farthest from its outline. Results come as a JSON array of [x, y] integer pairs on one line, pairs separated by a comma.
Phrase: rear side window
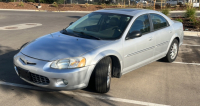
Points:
[[141, 24], [158, 21]]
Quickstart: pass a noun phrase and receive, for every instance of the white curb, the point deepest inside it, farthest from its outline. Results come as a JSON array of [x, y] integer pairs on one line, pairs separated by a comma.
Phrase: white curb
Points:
[[75, 11], [191, 33], [21, 10]]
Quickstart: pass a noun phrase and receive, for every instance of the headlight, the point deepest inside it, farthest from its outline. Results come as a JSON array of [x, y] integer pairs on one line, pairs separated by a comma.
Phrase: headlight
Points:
[[69, 63]]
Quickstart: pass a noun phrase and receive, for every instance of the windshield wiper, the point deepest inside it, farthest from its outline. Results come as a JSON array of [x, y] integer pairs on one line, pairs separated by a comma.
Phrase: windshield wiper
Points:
[[64, 31], [88, 35]]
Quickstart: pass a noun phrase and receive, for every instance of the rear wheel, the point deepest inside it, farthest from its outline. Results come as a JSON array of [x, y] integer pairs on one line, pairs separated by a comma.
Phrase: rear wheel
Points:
[[102, 75], [172, 52]]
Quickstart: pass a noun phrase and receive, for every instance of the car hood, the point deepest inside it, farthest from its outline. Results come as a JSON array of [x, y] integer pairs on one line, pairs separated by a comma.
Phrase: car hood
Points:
[[58, 46]]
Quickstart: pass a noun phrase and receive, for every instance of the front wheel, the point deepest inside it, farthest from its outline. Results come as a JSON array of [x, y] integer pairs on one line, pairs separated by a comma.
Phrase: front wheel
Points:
[[102, 75], [172, 52]]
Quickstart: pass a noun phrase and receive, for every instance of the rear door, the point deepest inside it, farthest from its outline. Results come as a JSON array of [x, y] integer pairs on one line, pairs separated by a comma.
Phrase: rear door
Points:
[[163, 33]]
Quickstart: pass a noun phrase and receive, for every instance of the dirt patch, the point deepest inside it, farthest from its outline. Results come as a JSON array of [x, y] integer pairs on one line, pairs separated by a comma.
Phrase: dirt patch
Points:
[[69, 7], [50, 7], [188, 25]]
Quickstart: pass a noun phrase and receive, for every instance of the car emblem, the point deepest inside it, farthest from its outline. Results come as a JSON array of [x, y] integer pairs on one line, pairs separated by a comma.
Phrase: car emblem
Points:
[[24, 60]]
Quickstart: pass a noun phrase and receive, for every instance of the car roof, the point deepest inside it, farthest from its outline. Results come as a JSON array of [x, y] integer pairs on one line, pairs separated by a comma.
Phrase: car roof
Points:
[[126, 11], [133, 12]]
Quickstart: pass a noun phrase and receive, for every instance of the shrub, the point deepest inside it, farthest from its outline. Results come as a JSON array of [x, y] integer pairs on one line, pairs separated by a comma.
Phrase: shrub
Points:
[[150, 8], [179, 19], [165, 11], [86, 5], [195, 21], [21, 4], [55, 4], [103, 5], [190, 12]]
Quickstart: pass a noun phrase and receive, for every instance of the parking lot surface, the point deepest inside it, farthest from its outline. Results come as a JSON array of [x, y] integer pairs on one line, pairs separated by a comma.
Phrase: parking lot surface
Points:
[[156, 84]]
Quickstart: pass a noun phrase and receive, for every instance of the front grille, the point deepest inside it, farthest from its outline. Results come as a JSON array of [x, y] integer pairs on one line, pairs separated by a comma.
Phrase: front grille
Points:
[[38, 79], [35, 78]]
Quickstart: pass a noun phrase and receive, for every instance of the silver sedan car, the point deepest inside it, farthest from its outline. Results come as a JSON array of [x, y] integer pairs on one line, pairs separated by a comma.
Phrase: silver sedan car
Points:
[[103, 44]]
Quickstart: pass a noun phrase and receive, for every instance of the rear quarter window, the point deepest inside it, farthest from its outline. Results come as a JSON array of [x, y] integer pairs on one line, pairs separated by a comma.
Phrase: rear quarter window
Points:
[[158, 21]]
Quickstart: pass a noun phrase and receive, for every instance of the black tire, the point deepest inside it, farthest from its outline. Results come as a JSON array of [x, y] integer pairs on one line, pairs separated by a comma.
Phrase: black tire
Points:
[[168, 57], [100, 75]]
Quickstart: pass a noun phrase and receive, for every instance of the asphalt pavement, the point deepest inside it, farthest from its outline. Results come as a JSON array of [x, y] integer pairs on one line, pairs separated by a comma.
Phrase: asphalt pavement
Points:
[[156, 84]]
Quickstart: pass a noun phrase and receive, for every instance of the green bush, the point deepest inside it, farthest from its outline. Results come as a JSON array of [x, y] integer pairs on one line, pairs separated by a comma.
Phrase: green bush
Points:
[[196, 22], [179, 19], [165, 11], [55, 4], [21, 4], [190, 12], [86, 5], [103, 5], [150, 8]]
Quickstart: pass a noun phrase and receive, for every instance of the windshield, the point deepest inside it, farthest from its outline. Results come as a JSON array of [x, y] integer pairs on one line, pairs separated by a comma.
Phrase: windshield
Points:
[[98, 25]]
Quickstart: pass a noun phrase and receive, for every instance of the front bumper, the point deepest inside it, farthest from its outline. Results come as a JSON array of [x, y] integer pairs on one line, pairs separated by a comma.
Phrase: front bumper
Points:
[[77, 78]]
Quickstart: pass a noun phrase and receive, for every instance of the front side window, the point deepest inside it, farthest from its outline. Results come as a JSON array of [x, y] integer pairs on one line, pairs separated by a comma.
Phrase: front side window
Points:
[[141, 24], [158, 21], [107, 26]]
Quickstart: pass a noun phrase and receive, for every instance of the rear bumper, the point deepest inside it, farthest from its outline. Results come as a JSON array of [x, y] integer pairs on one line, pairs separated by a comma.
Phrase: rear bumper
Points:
[[76, 78]]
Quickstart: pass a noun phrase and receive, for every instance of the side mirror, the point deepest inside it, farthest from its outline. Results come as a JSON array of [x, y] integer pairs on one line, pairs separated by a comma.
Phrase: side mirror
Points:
[[71, 23], [133, 34]]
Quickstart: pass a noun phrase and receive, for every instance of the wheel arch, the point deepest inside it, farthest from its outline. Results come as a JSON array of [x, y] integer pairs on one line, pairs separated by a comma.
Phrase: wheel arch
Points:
[[116, 61], [175, 36]]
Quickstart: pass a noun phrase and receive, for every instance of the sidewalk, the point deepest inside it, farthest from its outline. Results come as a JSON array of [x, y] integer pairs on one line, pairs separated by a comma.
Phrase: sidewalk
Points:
[[191, 33]]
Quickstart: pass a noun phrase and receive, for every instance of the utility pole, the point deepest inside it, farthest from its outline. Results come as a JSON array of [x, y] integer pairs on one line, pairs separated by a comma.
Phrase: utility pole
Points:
[[161, 4], [124, 3], [39, 3]]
